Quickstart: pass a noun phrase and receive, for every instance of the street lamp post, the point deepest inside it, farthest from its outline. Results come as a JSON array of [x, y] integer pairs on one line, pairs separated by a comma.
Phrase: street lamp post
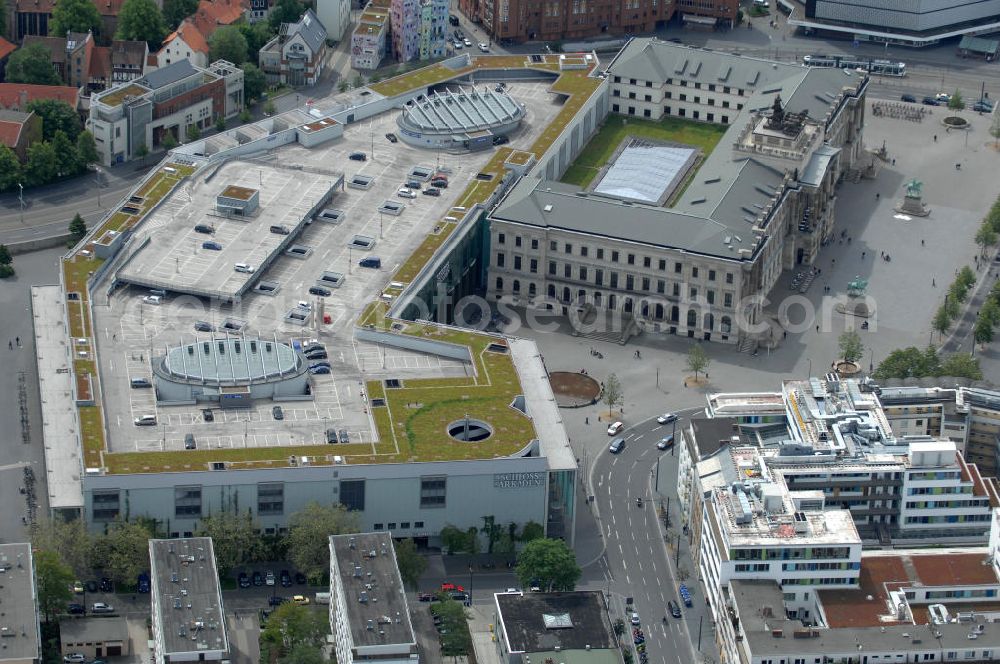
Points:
[[97, 176], [20, 197]]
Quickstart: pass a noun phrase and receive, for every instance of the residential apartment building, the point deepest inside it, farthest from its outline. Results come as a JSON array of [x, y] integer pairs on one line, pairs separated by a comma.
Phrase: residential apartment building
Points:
[[371, 35], [335, 15], [82, 64], [190, 40], [760, 203], [166, 101], [418, 29], [295, 56], [433, 40]]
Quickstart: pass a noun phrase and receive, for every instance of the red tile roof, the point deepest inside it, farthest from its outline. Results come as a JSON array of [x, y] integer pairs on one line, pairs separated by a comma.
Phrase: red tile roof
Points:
[[6, 48], [10, 93], [191, 35], [882, 574], [9, 133], [212, 14], [109, 7], [100, 63], [34, 6]]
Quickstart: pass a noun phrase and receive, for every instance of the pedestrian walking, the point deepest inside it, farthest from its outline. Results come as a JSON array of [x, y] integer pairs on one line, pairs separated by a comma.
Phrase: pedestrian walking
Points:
[[817, 328], [862, 255], [934, 283], [935, 138], [18, 340], [921, 242], [784, 334], [10, 345]]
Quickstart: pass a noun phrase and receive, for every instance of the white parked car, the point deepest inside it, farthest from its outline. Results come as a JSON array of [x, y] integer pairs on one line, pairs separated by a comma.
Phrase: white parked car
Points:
[[101, 607], [75, 657], [467, 42], [244, 267], [635, 619], [615, 428], [457, 44], [152, 299], [406, 192], [269, 578], [485, 48]]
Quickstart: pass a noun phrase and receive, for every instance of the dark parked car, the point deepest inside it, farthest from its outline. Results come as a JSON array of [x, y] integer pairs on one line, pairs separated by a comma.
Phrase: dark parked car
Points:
[[319, 290], [431, 191], [143, 583], [244, 580], [392, 137], [214, 246], [207, 415], [440, 184], [358, 156], [373, 262], [258, 579], [319, 365], [317, 370], [500, 140], [106, 585], [204, 228], [316, 355], [344, 436], [189, 443], [203, 326], [286, 578], [982, 106], [930, 101], [909, 98], [75, 609], [300, 578], [453, 19], [331, 436], [277, 414]]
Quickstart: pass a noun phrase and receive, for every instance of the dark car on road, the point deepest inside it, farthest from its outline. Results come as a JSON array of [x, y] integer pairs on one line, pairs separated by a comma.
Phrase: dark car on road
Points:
[[909, 98], [675, 610], [244, 580], [617, 445], [930, 101]]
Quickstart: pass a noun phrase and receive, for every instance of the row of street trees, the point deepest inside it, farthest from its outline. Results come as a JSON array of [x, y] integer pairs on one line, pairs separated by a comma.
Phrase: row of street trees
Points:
[[64, 151], [951, 308]]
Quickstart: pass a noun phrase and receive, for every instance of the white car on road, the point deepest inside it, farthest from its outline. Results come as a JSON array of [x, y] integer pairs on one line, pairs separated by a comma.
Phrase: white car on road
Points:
[[615, 428], [666, 418]]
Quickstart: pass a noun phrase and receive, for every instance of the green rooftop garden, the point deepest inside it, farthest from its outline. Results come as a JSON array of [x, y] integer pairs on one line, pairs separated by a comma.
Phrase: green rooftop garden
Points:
[[116, 96], [604, 143], [418, 78]]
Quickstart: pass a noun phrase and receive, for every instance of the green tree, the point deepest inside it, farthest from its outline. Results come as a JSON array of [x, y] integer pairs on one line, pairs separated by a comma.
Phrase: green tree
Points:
[[69, 160], [175, 11], [169, 141], [245, 116], [983, 331], [269, 108], [612, 392], [75, 16], [254, 82], [851, 348], [86, 148], [956, 103], [10, 169], [220, 123], [343, 85], [43, 163], [142, 152], [257, 34], [285, 11], [905, 363], [358, 81], [123, 551], [77, 228], [233, 538], [6, 262], [966, 277], [291, 625], [141, 20], [56, 116], [532, 531], [54, 581], [228, 43], [942, 320], [411, 564], [697, 360], [193, 133], [991, 311], [304, 654], [961, 365], [67, 539], [549, 562], [453, 540], [32, 64], [308, 536], [985, 237]]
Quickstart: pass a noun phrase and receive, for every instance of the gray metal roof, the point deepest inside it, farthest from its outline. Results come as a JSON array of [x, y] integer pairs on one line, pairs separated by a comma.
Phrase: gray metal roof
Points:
[[714, 217], [644, 171], [450, 112], [18, 599], [816, 167], [311, 29], [187, 602], [165, 76], [102, 629], [231, 359]]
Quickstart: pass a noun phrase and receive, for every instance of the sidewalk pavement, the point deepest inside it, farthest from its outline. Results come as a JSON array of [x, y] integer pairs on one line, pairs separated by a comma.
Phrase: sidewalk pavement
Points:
[[481, 622]]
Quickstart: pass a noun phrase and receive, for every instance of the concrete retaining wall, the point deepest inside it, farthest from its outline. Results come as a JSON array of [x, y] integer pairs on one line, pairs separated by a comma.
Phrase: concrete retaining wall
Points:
[[27, 246]]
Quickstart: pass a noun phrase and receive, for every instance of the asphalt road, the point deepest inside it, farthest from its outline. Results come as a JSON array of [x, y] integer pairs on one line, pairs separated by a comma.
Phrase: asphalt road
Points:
[[636, 556]]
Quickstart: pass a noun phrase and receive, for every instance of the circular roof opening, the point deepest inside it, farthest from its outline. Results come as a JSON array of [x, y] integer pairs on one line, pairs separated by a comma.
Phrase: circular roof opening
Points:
[[469, 430]]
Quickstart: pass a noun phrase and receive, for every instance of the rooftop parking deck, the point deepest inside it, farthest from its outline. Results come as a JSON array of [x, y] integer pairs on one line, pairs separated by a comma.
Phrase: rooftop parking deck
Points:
[[409, 425]]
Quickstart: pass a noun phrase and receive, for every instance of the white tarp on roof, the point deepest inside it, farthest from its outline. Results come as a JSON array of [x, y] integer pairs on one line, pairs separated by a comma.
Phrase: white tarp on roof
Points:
[[644, 172]]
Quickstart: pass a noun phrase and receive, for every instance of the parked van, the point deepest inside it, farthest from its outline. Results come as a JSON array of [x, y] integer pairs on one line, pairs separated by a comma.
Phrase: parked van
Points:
[[138, 383], [373, 262], [322, 598]]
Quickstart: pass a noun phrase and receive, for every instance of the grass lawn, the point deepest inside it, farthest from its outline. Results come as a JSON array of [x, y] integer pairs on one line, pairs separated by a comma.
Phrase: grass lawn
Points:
[[606, 141]]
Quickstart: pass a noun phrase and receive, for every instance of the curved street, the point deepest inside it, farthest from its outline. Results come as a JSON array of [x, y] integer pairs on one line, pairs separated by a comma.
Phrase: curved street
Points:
[[638, 562]]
